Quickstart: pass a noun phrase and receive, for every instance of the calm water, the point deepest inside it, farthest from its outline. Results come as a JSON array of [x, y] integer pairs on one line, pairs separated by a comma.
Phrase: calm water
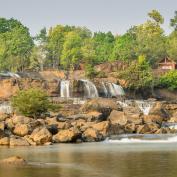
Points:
[[106, 159]]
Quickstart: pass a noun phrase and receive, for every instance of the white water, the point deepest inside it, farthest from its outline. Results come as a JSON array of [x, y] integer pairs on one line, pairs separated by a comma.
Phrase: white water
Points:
[[172, 139], [10, 74], [145, 106], [105, 90], [170, 125], [64, 89], [115, 90], [5, 108], [91, 89]]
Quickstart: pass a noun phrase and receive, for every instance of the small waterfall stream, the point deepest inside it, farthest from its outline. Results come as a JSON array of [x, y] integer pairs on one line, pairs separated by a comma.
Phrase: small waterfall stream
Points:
[[64, 89], [91, 90], [6, 108]]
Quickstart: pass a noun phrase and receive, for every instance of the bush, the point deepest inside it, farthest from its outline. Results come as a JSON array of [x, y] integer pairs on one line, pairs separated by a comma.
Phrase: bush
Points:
[[169, 80], [90, 71], [31, 102]]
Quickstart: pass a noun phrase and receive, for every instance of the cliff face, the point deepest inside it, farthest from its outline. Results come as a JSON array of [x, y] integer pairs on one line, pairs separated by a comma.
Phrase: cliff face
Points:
[[9, 87]]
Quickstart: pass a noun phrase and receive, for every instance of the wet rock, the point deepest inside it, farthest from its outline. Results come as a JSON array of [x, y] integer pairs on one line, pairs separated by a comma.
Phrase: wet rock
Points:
[[134, 118], [53, 129], [21, 129], [117, 117], [3, 116], [41, 135], [91, 135], [18, 141], [2, 126], [65, 136], [15, 160]]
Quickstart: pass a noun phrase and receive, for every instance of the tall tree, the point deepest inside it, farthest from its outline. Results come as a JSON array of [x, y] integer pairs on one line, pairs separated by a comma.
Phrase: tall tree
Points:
[[173, 22]]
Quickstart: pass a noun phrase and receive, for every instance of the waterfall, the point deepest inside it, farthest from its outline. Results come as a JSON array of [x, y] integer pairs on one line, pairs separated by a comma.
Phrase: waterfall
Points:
[[105, 89], [91, 89], [64, 89], [115, 90], [145, 106]]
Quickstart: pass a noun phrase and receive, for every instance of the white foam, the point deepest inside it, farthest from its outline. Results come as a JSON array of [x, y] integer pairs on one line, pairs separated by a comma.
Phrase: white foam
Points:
[[135, 140]]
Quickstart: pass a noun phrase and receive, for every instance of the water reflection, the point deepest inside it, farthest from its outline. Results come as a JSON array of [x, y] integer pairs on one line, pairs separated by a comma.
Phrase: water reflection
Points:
[[96, 159]]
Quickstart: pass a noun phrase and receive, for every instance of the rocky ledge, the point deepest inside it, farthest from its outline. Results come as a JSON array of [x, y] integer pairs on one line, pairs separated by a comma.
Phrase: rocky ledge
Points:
[[93, 121]]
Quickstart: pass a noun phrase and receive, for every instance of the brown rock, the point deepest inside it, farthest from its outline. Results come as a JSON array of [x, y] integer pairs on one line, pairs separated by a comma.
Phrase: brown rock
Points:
[[2, 125], [5, 141], [41, 135], [152, 118], [21, 129], [130, 128], [102, 127], [104, 106], [21, 119], [147, 128], [91, 135], [134, 118], [118, 117], [15, 160], [65, 136], [18, 141]]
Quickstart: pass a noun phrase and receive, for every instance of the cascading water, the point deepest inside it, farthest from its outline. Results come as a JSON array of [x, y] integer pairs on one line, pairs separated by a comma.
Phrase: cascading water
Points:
[[114, 90], [64, 89], [91, 90], [105, 90], [145, 106]]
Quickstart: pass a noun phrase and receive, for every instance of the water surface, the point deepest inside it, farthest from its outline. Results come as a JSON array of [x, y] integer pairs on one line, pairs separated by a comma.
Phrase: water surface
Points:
[[106, 159]]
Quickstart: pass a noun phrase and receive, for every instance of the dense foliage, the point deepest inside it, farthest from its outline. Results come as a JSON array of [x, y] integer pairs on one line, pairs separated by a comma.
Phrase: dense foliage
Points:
[[70, 47], [31, 102], [169, 80]]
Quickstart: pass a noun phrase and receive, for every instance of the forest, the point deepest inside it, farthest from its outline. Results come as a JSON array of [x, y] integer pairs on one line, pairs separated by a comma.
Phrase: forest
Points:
[[67, 47]]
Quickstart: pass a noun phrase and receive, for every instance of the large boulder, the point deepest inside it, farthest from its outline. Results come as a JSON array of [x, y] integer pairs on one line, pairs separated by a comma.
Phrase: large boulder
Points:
[[105, 106], [159, 109], [5, 141], [130, 128], [66, 136], [41, 135], [102, 127], [152, 119], [92, 135], [15, 160], [18, 141], [21, 129], [21, 119], [147, 128], [117, 117]]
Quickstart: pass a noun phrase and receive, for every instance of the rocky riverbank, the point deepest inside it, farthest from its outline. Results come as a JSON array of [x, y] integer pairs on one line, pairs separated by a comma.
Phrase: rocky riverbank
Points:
[[93, 121]]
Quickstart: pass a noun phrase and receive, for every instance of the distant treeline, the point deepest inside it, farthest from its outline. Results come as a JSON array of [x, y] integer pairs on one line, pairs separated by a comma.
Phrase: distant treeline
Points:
[[66, 47]]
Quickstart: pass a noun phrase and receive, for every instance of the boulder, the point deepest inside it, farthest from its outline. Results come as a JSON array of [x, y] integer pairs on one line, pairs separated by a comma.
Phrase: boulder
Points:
[[152, 119], [9, 123], [66, 136], [130, 128], [3, 116], [134, 118], [173, 120], [15, 160], [2, 125], [102, 127], [159, 109], [18, 141], [21, 129], [41, 135], [5, 141], [21, 119], [117, 117], [91, 135], [147, 128], [102, 105]]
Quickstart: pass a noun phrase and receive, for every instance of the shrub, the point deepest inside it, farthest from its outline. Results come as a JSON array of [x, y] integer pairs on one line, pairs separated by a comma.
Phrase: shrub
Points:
[[31, 102], [169, 80], [90, 71]]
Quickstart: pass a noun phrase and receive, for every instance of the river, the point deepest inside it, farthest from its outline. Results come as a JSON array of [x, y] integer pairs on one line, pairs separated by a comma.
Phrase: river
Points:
[[105, 159]]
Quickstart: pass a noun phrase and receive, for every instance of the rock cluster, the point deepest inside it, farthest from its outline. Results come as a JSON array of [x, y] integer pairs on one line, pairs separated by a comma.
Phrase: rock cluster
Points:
[[94, 121]]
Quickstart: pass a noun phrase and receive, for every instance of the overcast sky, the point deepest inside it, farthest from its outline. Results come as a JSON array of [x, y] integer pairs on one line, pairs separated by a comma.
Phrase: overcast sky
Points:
[[98, 15]]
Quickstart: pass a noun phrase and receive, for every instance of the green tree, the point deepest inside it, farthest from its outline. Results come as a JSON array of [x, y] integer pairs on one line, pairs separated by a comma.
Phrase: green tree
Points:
[[71, 54], [138, 75], [156, 16], [173, 21], [31, 102]]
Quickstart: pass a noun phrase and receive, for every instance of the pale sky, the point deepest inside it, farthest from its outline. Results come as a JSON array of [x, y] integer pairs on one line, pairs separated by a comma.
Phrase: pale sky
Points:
[[98, 15]]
